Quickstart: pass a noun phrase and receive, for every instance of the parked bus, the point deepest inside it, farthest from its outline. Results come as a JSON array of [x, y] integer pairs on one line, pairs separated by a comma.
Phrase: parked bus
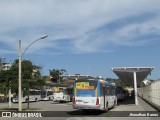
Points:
[[94, 94], [46, 94], [34, 95], [62, 94]]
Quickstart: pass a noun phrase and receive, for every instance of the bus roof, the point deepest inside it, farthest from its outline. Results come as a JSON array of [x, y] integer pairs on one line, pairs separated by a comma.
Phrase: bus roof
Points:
[[97, 80]]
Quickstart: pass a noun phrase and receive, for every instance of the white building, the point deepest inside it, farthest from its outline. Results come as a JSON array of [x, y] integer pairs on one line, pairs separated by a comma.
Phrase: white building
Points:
[[6, 66]]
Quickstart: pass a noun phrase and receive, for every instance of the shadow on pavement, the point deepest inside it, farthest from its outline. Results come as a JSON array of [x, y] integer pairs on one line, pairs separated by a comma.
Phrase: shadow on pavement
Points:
[[126, 101], [85, 113]]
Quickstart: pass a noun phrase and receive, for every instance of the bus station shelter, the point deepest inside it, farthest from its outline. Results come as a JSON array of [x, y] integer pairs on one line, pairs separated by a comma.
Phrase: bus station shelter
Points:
[[133, 76]]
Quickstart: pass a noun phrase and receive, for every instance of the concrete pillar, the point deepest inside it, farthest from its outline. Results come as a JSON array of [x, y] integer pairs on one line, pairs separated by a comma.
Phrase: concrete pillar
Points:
[[9, 97], [135, 87], [20, 79]]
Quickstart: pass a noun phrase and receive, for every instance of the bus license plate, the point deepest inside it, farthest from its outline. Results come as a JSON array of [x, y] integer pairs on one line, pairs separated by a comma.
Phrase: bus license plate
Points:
[[85, 101]]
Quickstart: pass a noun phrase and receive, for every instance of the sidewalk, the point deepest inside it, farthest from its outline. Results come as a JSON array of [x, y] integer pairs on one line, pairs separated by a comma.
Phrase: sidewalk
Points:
[[14, 107], [142, 106], [124, 106]]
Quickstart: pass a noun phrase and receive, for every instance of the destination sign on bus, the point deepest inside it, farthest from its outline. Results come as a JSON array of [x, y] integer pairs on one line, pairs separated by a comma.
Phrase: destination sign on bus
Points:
[[84, 86]]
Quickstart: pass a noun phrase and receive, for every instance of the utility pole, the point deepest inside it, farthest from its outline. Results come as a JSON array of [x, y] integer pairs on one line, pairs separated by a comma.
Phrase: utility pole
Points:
[[19, 80], [20, 54]]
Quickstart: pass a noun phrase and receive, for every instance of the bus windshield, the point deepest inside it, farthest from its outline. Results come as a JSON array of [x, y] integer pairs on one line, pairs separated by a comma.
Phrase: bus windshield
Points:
[[43, 93]]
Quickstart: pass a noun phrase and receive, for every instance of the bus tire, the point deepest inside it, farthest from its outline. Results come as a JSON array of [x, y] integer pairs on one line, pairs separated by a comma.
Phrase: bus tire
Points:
[[36, 99]]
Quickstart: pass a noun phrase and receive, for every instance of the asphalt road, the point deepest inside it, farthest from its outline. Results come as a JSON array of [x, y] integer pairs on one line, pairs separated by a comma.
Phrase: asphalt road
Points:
[[64, 111]]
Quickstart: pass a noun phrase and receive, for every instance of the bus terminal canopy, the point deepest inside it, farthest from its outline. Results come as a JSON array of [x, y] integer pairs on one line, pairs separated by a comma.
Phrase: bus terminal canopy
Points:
[[133, 76], [126, 74]]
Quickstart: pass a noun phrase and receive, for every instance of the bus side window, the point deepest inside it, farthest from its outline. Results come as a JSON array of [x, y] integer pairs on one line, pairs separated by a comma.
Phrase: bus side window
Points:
[[107, 90], [110, 91], [113, 91], [101, 89]]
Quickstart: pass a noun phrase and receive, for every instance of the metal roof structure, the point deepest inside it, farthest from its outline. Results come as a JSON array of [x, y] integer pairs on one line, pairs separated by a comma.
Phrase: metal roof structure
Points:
[[126, 74], [76, 77], [133, 76]]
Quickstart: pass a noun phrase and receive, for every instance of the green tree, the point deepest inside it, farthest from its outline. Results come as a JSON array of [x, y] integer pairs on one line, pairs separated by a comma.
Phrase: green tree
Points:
[[31, 76], [37, 81], [0, 64], [2, 82], [55, 74], [118, 82]]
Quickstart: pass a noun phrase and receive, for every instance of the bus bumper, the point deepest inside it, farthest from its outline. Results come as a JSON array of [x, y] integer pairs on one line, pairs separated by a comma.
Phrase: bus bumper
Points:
[[89, 107], [15, 100], [58, 100]]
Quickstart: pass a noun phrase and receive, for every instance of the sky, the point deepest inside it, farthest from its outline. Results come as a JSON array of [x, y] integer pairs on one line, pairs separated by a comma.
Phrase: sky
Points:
[[87, 37]]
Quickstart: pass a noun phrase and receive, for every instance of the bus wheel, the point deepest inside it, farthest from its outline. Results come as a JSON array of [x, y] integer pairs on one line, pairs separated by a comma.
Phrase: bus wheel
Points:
[[36, 99], [49, 98]]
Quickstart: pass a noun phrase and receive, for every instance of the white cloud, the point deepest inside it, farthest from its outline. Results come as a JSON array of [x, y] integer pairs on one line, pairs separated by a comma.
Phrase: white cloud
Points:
[[7, 51], [78, 22]]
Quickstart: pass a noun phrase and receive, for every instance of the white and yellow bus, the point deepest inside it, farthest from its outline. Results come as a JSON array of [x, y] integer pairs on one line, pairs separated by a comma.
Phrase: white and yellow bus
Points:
[[47, 94], [62, 94], [93, 94]]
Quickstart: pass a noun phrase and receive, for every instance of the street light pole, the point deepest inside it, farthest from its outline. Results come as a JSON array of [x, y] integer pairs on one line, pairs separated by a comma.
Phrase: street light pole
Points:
[[19, 80], [20, 71], [9, 94], [33, 43]]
